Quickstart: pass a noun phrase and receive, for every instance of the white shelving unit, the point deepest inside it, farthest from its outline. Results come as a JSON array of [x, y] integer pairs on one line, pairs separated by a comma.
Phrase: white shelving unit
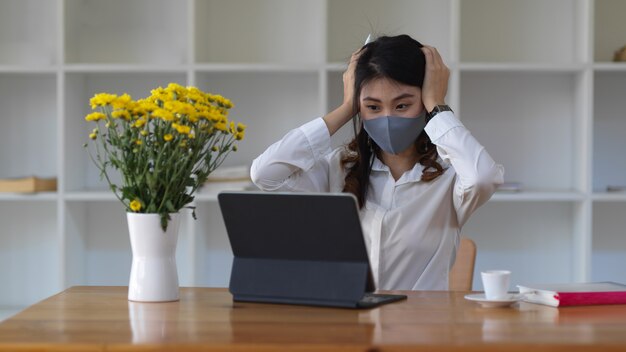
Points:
[[533, 80]]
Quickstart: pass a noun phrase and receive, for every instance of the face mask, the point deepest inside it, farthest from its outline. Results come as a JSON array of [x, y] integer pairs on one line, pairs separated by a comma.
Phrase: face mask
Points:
[[395, 134]]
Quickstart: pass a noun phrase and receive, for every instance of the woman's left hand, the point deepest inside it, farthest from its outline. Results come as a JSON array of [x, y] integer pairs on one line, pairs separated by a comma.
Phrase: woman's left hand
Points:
[[435, 86]]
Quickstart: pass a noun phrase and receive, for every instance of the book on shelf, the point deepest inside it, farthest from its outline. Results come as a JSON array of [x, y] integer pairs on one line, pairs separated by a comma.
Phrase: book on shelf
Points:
[[228, 178], [615, 188], [574, 294], [30, 184]]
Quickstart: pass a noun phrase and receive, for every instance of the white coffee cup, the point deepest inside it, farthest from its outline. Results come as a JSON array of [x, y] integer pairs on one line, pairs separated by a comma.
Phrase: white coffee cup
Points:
[[496, 283]]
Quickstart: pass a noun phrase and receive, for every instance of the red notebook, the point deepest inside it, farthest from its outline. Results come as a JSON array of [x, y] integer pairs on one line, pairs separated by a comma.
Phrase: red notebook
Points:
[[577, 294]]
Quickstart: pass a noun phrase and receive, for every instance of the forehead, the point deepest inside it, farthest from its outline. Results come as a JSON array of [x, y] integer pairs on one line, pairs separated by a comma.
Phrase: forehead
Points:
[[384, 87]]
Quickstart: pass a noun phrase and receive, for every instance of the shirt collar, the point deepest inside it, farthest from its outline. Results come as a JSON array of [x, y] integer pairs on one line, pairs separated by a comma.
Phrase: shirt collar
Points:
[[413, 175]]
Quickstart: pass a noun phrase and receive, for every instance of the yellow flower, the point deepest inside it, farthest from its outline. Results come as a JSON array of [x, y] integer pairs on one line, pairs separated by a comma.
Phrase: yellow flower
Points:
[[181, 128], [180, 108], [163, 114], [175, 87], [102, 99], [193, 117], [202, 115], [180, 91], [139, 123], [196, 97], [215, 116], [121, 102], [176, 122], [221, 126], [95, 116], [223, 102], [135, 205], [121, 114], [195, 91], [160, 94], [144, 106]]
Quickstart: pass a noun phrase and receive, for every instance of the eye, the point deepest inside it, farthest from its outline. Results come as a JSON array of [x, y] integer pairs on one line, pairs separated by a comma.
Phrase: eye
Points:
[[372, 107], [402, 106]]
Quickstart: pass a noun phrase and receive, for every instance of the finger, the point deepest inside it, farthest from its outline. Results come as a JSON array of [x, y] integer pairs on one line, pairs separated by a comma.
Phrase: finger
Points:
[[428, 55], [437, 58], [433, 59]]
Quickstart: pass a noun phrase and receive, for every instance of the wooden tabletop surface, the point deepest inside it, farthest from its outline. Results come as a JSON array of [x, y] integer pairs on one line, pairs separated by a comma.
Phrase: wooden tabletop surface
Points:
[[102, 319]]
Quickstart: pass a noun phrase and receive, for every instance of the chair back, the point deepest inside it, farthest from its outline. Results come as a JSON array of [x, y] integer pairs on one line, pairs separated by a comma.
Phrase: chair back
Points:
[[461, 275]]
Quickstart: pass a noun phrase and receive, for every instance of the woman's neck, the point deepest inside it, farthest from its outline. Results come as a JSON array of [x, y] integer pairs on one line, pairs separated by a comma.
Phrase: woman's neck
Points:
[[398, 164]]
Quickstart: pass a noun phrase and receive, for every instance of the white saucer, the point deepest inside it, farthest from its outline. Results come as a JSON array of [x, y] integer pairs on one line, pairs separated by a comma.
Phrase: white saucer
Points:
[[487, 303]]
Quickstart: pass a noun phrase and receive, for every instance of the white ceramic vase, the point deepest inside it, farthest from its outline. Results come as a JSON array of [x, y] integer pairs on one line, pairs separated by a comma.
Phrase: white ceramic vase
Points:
[[153, 275]]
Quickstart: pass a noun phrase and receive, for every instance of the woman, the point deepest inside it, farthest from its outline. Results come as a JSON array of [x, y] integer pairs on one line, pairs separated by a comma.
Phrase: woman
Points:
[[417, 172]]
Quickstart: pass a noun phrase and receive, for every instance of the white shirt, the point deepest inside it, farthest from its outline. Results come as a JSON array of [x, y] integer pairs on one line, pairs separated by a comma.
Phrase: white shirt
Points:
[[411, 227]]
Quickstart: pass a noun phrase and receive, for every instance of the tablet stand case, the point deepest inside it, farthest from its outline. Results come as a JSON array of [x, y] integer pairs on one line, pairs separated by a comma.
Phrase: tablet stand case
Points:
[[339, 284]]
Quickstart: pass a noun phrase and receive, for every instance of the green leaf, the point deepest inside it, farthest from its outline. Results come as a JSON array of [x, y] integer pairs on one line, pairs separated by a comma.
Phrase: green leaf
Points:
[[164, 220], [170, 207]]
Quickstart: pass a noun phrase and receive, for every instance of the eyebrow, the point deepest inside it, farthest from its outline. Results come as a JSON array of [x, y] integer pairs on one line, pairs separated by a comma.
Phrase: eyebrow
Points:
[[401, 96]]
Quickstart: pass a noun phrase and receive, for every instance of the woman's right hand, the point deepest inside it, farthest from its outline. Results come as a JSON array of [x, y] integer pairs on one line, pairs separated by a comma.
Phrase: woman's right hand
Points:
[[344, 113], [348, 81]]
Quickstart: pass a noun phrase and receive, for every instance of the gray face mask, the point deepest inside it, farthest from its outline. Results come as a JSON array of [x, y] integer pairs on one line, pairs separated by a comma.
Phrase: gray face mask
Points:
[[395, 134]]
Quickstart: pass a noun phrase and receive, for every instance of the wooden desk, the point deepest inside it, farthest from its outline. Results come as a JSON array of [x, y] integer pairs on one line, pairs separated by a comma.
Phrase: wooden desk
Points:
[[101, 318]]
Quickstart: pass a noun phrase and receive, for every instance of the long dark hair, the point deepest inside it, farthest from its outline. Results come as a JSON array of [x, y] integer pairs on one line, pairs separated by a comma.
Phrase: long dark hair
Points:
[[401, 59]]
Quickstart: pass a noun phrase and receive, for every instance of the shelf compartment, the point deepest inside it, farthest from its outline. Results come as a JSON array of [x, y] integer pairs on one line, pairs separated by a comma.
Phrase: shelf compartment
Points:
[[270, 104], [279, 31], [536, 247], [609, 242], [609, 28], [29, 125], [212, 252], [522, 31], [119, 31], [28, 32], [98, 250], [350, 21], [81, 173], [29, 252], [533, 137], [609, 124]]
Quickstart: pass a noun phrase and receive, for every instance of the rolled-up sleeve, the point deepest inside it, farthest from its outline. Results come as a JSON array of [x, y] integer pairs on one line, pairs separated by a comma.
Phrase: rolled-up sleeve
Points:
[[298, 162], [477, 174]]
